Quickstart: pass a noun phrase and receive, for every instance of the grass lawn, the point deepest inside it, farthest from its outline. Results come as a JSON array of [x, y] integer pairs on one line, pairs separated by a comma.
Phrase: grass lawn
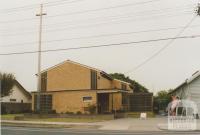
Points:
[[12, 116], [66, 120], [137, 114], [9, 116]]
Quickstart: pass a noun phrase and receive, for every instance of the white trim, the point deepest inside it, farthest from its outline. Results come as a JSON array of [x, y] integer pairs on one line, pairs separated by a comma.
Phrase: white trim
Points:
[[122, 81]]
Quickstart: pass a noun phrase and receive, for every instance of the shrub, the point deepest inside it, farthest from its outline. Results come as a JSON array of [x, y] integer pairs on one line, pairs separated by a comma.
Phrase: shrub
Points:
[[3, 110], [92, 109], [67, 112], [52, 112], [78, 112]]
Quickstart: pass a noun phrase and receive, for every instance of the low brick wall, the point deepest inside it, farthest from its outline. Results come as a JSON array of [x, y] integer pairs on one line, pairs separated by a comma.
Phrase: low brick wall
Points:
[[7, 107]]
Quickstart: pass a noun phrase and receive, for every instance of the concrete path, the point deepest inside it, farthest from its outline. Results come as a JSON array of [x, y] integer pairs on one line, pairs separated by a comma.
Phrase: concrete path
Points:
[[134, 124], [150, 124]]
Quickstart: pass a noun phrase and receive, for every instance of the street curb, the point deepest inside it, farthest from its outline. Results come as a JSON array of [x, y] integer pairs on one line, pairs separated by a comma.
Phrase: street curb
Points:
[[50, 125]]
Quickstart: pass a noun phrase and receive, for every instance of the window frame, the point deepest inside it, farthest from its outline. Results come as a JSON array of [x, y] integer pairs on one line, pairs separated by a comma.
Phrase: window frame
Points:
[[94, 79], [87, 100]]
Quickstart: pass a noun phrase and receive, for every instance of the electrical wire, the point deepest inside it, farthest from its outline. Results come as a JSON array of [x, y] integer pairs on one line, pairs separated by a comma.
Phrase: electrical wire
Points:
[[94, 25], [98, 46], [163, 48], [88, 11], [99, 36], [33, 6], [143, 12]]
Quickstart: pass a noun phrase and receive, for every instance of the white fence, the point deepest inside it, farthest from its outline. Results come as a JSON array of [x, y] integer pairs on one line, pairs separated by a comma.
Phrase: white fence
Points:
[[185, 117], [182, 123]]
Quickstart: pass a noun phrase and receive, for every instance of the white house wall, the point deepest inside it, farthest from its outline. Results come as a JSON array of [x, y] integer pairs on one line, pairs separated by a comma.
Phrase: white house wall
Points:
[[191, 91], [18, 95]]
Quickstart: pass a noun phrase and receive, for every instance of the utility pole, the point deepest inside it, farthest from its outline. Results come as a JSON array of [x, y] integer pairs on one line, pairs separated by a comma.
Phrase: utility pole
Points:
[[39, 57]]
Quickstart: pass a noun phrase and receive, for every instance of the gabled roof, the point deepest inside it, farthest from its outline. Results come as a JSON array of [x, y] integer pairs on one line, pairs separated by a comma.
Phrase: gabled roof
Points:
[[69, 61], [76, 63], [188, 80], [122, 81], [22, 89], [103, 73]]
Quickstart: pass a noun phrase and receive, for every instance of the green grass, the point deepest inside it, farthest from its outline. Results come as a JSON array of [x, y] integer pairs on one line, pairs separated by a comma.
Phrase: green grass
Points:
[[137, 114], [82, 120], [9, 116]]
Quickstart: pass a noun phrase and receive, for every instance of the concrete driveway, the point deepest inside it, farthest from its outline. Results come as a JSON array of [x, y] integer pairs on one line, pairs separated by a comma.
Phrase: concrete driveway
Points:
[[135, 124]]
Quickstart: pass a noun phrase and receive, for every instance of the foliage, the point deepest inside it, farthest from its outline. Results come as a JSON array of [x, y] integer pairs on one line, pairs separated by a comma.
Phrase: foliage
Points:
[[69, 112], [78, 112], [161, 100], [7, 83], [52, 112], [92, 109], [198, 10], [136, 86]]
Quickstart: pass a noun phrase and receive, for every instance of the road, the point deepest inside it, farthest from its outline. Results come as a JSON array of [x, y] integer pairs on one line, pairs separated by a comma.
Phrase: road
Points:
[[61, 131]]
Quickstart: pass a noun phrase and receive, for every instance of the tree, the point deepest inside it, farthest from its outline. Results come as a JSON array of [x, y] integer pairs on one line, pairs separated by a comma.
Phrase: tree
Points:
[[136, 86], [7, 82], [162, 99], [198, 10]]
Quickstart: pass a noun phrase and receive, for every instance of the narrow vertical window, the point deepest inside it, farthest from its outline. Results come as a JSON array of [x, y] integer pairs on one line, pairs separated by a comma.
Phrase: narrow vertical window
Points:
[[44, 81], [93, 80]]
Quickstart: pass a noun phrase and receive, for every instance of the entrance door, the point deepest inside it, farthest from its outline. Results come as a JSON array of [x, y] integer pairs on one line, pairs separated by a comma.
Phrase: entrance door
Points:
[[103, 103]]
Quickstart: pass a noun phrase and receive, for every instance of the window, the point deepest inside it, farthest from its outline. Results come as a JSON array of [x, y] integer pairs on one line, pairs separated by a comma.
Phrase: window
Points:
[[13, 100], [87, 99], [124, 86], [124, 99], [45, 103], [44, 81], [93, 80]]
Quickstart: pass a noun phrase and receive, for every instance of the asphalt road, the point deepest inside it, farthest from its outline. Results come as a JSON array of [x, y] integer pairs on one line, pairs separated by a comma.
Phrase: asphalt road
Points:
[[60, 131]]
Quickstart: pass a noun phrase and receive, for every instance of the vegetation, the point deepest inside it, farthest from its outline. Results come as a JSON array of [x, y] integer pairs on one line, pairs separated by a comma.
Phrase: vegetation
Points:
[[137, 114], [198, 10], [136, 86], [92, 109], [7, 82], [161, 100], [78, 112], [75, 119], [10, 116]]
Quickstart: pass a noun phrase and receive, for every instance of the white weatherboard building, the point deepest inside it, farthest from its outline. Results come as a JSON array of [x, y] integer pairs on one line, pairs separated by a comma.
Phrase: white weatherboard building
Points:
[[18, 95], [190, 89]]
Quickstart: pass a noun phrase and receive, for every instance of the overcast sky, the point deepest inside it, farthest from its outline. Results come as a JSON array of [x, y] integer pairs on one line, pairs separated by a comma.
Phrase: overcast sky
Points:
[[77, 23]]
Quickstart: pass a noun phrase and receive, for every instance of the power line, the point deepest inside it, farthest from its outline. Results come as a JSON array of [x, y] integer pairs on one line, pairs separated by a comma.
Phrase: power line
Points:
[[98, 46], [61, 2], [33, 6], [48, 17], [163, 48], [133, 13], [101, 35], [94, 10], [94, 25], [106, 8], [147, 11]]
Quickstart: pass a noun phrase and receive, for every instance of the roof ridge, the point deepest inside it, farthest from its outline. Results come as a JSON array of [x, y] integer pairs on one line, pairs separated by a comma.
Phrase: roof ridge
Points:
[[68, 60]]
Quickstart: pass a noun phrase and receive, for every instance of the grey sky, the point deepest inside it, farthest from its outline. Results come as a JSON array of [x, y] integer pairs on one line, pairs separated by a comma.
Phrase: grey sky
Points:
[[165, 71]]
